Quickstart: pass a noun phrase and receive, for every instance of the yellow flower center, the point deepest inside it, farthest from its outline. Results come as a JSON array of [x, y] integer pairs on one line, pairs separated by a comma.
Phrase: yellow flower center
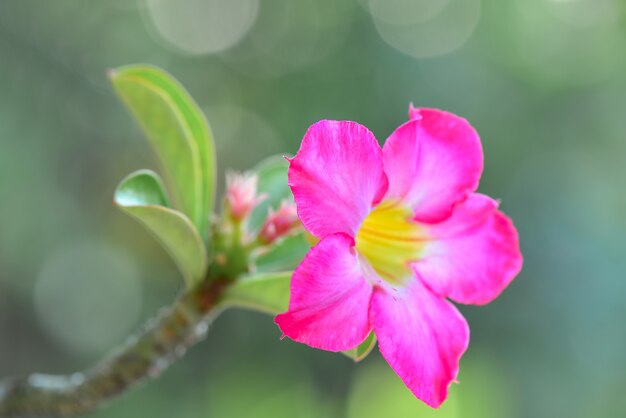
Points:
[[389, 240]]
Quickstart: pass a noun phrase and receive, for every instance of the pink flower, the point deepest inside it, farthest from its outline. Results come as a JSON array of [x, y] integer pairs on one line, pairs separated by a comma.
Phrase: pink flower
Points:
[[401, 229], [241, 194], [279, 223]]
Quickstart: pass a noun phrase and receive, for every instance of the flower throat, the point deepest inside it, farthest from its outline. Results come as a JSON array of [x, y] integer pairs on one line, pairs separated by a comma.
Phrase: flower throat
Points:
[[390, 240]]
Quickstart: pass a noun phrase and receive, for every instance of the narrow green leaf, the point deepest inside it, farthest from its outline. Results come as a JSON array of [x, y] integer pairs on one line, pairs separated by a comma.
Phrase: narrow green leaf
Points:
[[267, 293], [272, 174], [179, 134], [141, 195], [363, 349]]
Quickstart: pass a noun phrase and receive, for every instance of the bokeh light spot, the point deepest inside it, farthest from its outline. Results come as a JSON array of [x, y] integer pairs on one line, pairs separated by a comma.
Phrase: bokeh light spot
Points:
[[289, 36], [237, 129], [405, 12], [88, 296], [426, 31], [584, 12], [202, 26], [559, 43]]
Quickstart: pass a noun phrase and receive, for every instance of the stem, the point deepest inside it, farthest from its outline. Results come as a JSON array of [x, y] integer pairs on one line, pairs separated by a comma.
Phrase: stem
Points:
[[164, 340]]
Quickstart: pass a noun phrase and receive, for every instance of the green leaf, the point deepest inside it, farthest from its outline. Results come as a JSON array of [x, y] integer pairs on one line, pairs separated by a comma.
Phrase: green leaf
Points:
[[272, 174], [378, 392], [267, 293], [141, 188], [286, 254], [363, 349], [485, 391], [141, 195], [179, 134]]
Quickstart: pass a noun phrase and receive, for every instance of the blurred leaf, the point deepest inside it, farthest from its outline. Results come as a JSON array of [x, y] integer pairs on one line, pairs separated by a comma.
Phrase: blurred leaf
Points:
[[267, 293], [378, 392], [141, 195], [284, 255], [272, 174], [484, 391], [264, 387], [179, 134], [363, 349]]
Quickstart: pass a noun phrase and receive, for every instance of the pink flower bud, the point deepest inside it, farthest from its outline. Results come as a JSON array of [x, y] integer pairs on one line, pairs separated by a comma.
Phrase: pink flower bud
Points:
[[279, 223], [241, 194]]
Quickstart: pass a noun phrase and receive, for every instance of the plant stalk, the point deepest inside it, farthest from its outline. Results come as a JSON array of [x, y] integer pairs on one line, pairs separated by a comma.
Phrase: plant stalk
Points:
[[165, 339]]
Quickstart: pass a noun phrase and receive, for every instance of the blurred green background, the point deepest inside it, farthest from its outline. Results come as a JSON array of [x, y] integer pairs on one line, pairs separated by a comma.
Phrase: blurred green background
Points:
[[543, 81]]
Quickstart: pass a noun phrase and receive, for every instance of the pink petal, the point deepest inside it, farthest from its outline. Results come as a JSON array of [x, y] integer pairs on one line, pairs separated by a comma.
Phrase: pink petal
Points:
[[422, 337], [414, 112], [336, 176], [433, 162], [474, 254], [329, 298]]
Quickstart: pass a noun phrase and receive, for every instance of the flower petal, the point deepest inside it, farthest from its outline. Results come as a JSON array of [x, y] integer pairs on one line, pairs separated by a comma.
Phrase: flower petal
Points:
[[433, 162], [422, 337], [329, 301], [474, 254], [336, 176]]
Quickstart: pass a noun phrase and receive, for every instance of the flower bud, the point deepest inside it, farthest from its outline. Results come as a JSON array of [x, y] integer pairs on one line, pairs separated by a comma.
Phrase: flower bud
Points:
[[241, 194], [279, 223]]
